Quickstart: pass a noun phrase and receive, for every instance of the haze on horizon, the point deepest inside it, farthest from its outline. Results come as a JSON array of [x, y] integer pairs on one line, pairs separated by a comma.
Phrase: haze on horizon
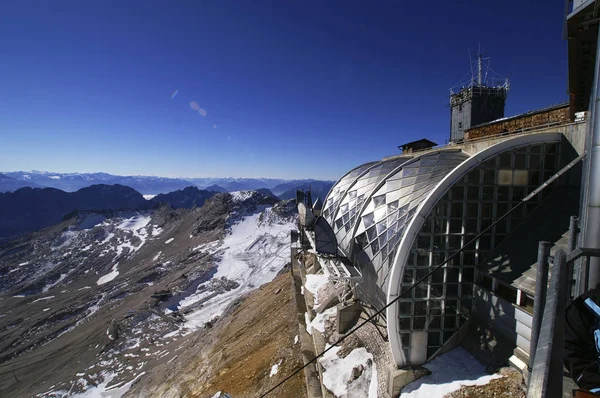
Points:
[[265, 89]]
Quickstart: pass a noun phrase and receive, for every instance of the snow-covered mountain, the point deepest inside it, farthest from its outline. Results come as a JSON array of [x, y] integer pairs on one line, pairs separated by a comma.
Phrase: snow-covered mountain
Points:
[[110, 295]]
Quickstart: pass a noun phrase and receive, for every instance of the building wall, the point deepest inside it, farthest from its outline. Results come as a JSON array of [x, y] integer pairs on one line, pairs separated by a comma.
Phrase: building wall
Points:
[[460, 120], [485, 108], [554, 115], [505, 319], [473, 106], [442, 305], [573, 132]]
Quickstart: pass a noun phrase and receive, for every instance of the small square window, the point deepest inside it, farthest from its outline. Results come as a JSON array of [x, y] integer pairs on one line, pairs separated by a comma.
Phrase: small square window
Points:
[[520, 177], [419, 322], [504, 177]]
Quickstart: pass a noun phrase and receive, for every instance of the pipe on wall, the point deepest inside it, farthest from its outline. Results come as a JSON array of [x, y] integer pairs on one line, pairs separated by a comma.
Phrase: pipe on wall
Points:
[[592, 232]]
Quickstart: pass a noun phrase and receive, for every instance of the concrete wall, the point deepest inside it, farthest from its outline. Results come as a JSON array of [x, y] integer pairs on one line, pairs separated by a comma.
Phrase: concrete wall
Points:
[[573, 132], [503, 318]]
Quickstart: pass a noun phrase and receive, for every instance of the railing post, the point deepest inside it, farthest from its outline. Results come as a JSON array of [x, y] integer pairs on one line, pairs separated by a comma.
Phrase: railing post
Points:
[[546, 380], [572, 243], [573, 230], [541, 284]]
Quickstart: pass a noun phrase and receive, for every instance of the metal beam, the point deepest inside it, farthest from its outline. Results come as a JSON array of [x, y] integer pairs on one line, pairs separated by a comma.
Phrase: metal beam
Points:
[[541, 285], [546, 377]]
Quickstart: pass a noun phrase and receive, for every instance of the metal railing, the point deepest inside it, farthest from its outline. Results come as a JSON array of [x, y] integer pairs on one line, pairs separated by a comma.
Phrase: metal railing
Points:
[[548, 324]]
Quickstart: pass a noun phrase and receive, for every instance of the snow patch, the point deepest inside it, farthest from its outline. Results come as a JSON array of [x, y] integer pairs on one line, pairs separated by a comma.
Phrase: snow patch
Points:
[[275, 368], [169, 241], [110, 276], [148, 197], [134, 223], [449, 372], [42, 299], [156, 230], [102, 390], [108, 238], [250, 254], [171, 334], [240, 196]]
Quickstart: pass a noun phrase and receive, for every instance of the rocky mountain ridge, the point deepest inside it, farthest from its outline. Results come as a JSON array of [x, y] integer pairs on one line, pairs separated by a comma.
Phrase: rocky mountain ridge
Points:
[[98, 299], [146, 185], [29, 209]]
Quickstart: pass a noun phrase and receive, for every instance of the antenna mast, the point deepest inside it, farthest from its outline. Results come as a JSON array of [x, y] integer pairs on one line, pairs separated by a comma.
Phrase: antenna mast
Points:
[[479, 68]]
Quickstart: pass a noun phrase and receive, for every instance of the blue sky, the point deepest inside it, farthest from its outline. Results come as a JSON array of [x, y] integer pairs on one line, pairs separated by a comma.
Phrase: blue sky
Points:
[[291, 89]]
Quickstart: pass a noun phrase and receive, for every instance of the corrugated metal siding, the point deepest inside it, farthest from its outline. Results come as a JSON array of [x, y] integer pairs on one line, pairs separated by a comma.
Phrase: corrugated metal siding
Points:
[[457, 117]]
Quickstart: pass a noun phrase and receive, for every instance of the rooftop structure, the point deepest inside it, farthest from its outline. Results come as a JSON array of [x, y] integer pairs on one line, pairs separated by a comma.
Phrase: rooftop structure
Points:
[[480, 99], [418, 145]]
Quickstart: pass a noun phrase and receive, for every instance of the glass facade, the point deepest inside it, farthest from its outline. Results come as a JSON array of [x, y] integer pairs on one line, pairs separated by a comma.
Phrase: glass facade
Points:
[[392, 206], [370, 210], [484, 194]]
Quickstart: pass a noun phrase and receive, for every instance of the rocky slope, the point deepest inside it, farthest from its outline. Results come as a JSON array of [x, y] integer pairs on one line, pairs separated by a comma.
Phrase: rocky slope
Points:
[[97, 300], [241, 354]]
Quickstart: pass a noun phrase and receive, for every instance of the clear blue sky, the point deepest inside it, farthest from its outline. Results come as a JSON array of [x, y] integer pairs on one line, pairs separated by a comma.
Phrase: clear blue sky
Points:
[[291, 89]]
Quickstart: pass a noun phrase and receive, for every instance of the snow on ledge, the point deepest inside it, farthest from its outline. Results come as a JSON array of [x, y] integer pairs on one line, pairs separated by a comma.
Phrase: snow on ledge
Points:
[[318, 322], [449, 372], [338, 371], [314, 283], [307, 323]]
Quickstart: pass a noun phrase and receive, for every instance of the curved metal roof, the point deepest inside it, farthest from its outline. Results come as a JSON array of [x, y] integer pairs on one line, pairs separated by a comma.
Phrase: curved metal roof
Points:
[[393, 203], [358, 192], [338, 190]]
